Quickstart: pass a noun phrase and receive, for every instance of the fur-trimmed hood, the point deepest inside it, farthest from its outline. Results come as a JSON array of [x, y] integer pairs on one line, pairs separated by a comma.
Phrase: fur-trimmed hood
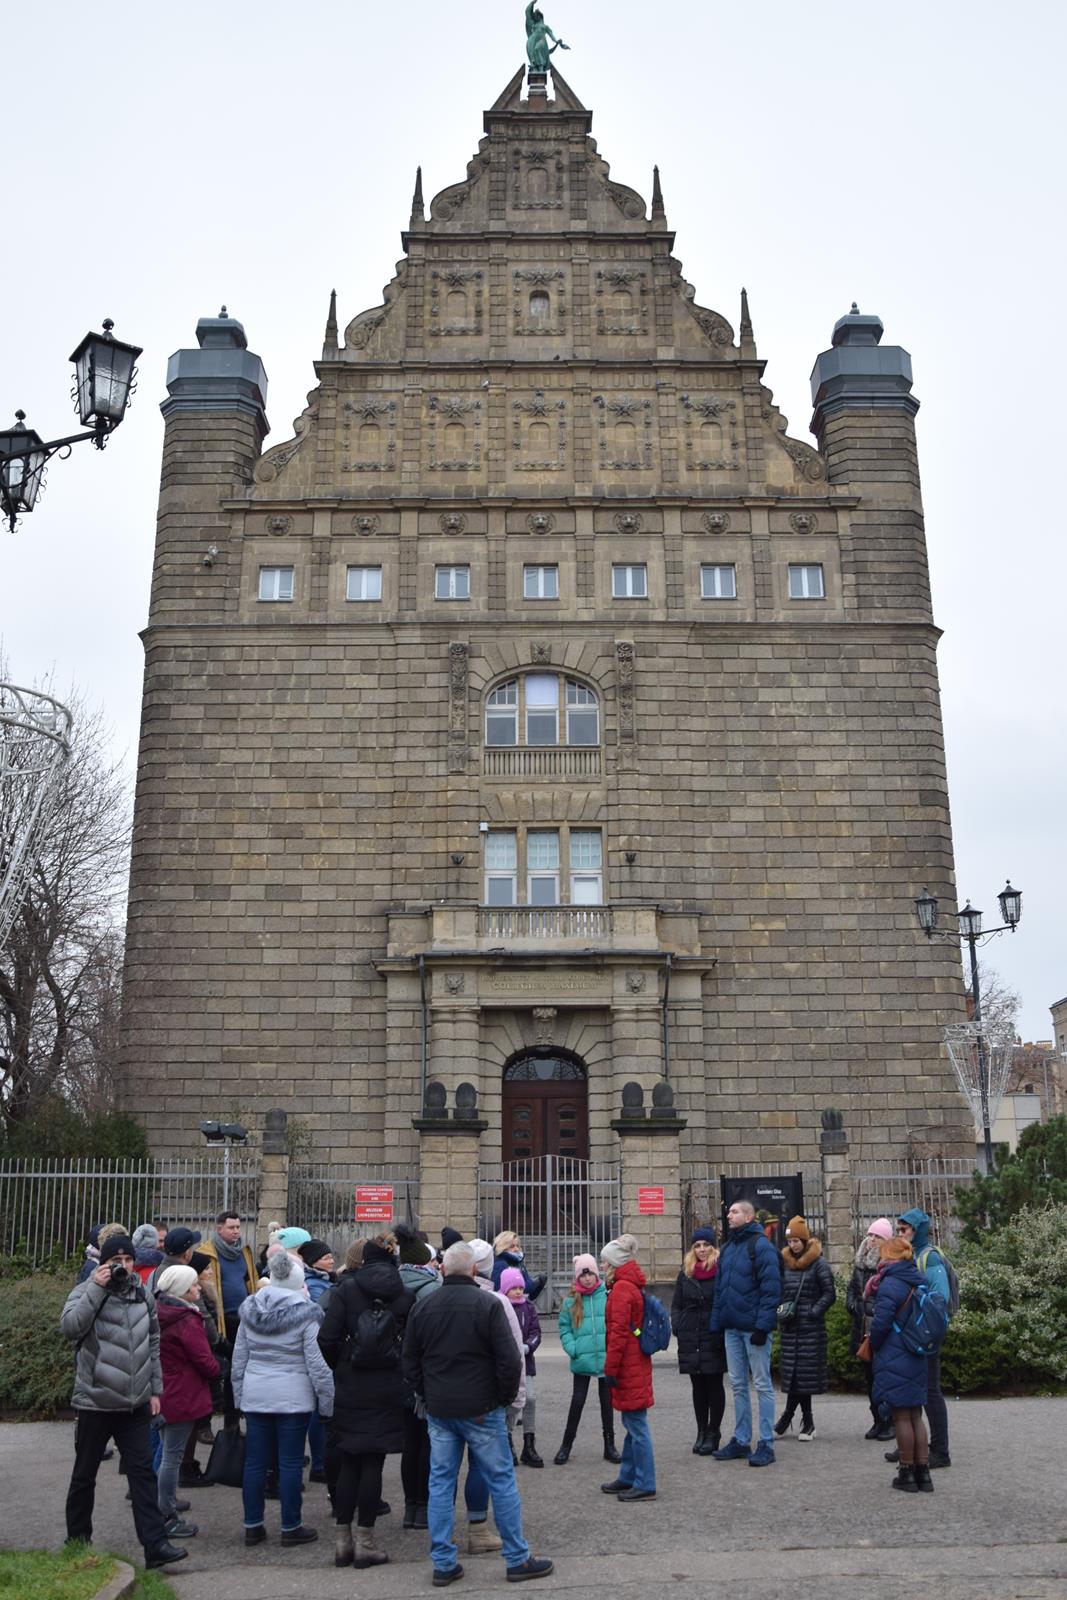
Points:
[[276, 1311], [807, 1258]]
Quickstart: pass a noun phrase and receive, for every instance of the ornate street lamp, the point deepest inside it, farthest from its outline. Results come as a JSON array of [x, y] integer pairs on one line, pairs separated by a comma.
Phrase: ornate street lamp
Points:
[[104, 373]]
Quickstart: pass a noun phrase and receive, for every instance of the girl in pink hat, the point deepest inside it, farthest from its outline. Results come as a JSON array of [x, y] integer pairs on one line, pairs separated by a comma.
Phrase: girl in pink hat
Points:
[[583, 1336]]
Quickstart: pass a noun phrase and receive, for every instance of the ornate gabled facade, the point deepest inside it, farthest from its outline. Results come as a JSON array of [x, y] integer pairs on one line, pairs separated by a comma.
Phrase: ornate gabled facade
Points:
[[542, 717]]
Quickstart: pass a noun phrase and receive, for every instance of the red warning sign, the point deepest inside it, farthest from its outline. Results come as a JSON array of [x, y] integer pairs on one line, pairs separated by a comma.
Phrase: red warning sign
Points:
[[374, 1203], [650, 1202]]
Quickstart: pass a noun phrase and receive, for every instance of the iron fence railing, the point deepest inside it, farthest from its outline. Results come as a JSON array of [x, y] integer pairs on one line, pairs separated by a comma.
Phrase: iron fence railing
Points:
[[47, 1207], [325, 1199], [560, 1206], [702, 1193], [887, 1187]]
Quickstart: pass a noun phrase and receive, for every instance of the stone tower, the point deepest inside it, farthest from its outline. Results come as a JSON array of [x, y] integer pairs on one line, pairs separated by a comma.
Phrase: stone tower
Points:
[[541, 721]]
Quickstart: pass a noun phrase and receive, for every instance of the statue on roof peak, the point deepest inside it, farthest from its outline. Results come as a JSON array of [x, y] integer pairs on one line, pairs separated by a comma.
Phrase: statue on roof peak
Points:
[[538, 34]]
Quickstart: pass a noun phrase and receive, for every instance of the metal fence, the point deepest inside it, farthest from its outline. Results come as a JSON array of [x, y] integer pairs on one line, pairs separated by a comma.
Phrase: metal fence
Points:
[[702, 1194], [886, 1187], [559, 1206], [47, 1207], [322, 1199]]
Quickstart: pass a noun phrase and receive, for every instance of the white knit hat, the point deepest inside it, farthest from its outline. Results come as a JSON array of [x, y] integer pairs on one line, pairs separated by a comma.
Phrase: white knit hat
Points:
[[482, 1252], [286, 1272], [618, 1251], [176, 1281]]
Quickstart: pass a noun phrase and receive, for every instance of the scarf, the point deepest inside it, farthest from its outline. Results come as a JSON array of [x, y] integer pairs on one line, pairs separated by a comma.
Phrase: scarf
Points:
[[580, 1288], [869, 1256], [806, 1258], [702, 1274], [871, 1286], [229, 1252]]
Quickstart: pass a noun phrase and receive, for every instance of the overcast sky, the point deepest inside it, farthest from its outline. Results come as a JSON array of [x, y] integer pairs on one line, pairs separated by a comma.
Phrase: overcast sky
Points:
[[163, 160]]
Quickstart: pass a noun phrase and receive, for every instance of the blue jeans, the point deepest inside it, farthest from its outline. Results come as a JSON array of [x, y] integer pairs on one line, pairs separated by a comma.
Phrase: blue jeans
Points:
[[274, 1436], [487, 1440], [742, 1357], [174, 1436], [638, 1463], [317, 1442]]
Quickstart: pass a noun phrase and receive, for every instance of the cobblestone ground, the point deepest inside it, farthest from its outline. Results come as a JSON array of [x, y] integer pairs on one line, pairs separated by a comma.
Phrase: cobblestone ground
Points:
[[821, 1522]]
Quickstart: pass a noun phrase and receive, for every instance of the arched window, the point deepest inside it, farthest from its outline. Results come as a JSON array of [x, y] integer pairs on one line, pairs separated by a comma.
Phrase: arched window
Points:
[[368, 441], [454, 439], [542, 708], [539, 440], [456, 308], [537, 183], [711, 441], [540, 308], [625, 441]]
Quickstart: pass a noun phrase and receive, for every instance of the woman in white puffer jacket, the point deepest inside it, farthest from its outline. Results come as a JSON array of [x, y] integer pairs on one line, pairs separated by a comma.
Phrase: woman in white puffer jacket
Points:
[[278, 1377]]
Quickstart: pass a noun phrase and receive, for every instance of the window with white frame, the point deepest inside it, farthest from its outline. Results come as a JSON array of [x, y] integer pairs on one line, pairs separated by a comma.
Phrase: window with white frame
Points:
[[718, 582], [364, 583], [452, 583], [276, 583], [541, 708], [806, 583], [540, 583], [544, 860], [629, 581]]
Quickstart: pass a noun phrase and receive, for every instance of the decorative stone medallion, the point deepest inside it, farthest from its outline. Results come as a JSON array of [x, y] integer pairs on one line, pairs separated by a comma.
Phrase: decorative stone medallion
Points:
[[452, 522], [803, 522], [279, 524], [629, 522], [540, 522], [366, 523], [716, 521]]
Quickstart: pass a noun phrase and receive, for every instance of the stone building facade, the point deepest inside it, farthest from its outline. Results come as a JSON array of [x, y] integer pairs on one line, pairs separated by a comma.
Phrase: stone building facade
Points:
[[542, 717]]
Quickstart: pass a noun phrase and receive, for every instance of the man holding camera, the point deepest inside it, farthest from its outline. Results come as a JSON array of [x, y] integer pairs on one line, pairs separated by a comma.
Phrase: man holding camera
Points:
[[111, 1319]]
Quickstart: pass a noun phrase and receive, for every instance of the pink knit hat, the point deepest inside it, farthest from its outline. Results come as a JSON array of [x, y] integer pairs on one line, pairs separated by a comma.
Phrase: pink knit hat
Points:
[[880, 1229], [511, 1278], [585, 1264]]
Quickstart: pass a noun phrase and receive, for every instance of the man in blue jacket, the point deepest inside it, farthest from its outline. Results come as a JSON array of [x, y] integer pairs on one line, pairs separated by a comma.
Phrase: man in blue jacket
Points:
[[746, 1312], [914, 1226]]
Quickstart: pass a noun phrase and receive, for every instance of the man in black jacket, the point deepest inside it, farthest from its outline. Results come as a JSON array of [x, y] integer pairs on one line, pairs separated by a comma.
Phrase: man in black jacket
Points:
[[461, 1360]]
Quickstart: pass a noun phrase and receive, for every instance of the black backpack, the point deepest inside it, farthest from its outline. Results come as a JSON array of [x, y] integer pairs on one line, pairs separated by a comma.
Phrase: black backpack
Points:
[[375, 1344]]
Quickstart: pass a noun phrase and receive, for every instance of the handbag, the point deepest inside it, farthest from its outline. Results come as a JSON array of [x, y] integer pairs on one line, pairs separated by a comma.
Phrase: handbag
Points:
[[863, 1349], [788, 1308], [226, 1463]]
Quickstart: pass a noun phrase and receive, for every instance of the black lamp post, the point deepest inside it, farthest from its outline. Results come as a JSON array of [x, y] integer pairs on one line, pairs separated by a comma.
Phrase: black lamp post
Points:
[[227, 1134], [104, 375], [970, 929]]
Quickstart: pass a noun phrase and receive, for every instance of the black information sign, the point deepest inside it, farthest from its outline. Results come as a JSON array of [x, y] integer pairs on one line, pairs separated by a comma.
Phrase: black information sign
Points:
[[774, 1199]]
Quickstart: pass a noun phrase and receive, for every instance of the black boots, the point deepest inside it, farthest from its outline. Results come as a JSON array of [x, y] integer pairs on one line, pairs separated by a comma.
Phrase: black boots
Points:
[[923, 1481], [610, 1452], [529, 1457], [709, 1443], [563, 1454], [905, 1478]]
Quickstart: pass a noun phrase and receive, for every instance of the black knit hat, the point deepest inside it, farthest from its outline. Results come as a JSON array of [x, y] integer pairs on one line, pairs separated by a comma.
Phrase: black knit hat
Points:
[[313, 1251], [450, 1236], [118, 1244], [413, 1251]]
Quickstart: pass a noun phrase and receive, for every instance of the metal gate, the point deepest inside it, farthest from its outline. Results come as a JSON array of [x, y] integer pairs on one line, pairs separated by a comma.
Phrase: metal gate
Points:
[[559, 1206]]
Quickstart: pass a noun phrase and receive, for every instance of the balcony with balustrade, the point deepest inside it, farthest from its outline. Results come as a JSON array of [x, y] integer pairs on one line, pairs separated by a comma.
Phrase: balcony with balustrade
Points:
[[454, 928]]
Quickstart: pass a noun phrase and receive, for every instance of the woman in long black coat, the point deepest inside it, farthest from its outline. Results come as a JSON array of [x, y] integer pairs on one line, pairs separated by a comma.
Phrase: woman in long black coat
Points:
[[808, 1283], [368, 1393], [701, 1353]]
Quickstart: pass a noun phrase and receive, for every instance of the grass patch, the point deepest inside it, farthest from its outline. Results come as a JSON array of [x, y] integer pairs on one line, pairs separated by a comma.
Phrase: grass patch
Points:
[[76, 1573], [152, 1586]]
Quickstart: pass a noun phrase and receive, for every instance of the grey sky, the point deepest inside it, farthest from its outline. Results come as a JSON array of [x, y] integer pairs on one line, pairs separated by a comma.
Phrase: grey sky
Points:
[[163, 160]]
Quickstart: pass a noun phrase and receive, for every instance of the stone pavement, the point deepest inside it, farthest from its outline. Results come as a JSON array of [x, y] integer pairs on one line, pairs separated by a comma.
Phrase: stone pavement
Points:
[[821, 1522]]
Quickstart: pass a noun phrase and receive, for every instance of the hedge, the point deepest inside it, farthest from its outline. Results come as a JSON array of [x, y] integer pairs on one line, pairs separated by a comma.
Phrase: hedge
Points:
[[36, 1362]]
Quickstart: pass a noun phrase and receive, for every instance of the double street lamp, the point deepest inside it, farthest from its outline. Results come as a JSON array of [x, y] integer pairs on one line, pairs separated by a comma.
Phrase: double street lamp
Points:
[[970, 930], [104, 375]]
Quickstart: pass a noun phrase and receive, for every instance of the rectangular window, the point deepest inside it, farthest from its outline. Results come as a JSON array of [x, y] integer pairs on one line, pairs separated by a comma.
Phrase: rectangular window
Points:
[[276, 583], [542, 708], [542, 867], [718, 583], [629, 582], [364, 583], [501, 865], [540, 583], [806, 583], [587, 867], [452, 583]]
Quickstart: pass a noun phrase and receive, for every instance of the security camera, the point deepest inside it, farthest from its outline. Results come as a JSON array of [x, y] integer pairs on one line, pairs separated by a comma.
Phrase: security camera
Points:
[[210, 554]]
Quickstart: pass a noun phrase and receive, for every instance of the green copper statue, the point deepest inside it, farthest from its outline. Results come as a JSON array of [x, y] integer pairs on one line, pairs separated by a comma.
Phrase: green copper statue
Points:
[[538, 34]]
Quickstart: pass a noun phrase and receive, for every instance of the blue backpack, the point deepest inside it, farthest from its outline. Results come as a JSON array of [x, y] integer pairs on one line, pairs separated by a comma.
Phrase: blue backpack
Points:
[[925, 1321], [655, 1330]]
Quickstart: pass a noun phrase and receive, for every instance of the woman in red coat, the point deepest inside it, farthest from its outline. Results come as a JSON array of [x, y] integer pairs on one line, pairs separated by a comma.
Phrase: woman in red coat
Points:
[[627, 1370], [189, 1369]]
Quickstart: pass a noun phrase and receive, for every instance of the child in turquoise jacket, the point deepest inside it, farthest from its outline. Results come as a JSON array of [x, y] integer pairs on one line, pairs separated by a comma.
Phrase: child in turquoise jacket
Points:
[[582, 1334]]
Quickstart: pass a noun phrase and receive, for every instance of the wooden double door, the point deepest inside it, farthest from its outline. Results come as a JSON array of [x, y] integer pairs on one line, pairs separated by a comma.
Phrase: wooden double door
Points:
[[545, 1108]]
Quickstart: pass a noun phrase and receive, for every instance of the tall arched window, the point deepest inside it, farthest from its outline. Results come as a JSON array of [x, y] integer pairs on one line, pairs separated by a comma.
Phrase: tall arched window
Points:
[[540, 308], [542, 708]]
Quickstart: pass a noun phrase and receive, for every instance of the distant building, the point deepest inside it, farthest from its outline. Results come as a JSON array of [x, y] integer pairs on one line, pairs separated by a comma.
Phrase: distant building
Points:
[[1059, 1026]]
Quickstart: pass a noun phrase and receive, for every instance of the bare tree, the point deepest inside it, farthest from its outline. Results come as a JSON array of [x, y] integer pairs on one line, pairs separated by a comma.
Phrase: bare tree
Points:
[[1001, 1004], [61, 970]]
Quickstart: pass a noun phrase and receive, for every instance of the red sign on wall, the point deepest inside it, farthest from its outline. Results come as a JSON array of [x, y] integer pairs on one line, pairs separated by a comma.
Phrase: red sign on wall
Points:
[[374, 1203], [650, 1202]]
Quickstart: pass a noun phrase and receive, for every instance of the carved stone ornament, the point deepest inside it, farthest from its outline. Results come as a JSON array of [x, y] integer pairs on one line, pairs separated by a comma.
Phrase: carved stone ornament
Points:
[[637, 414], [532, 420], [713, 326], [279, 524], [624, 688], [629, 522], [457, 284], [553, 283], [372, 446], [635, 982], [455, 982], [458, 674], [803, 522], [710, 433], [366, 523], [716, 521], [540, 522], [616, 314], [448, 411], [541, 655], [537, 179], [452, 522], [544, 1024]]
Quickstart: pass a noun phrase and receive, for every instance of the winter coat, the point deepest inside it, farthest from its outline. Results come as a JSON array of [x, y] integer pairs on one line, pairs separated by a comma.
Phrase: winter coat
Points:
[[506, 1259], [928, 1257], [699, 1350], [117, 1366], [530, 1328], [189, 1368], [208, 1247], [860, 1307], [802, 1364], [368, 1405], [486, 1286], [318, 1284], [899, 1375], [586, 1344], [748, 1283], [277, 1363], [460, 1354], [145, 1263], [624, 1360], [418, 1281]]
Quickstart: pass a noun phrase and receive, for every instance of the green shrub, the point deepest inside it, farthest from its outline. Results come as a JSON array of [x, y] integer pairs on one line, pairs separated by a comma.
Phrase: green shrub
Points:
[[36, 1362], [1035, 1175]]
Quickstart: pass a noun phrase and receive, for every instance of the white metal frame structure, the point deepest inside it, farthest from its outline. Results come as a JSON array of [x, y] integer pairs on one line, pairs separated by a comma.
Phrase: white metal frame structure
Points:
[[34, 749]]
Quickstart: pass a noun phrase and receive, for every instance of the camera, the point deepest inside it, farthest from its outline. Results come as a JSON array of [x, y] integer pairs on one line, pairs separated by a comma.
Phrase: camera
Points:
[[119, 1275]]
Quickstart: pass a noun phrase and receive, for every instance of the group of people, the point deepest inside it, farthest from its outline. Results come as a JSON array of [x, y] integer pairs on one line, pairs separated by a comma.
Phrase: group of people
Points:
[[431, 1354]]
